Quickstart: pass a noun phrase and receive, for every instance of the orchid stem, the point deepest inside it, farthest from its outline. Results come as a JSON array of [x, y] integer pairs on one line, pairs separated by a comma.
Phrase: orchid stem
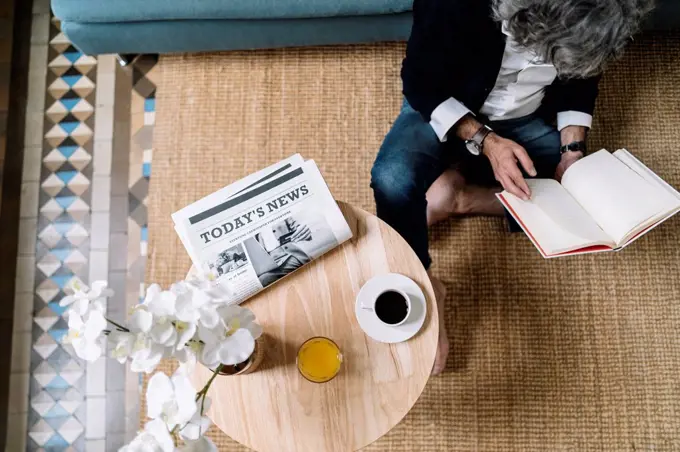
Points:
[[207, 385], [201, 395], [120, 327], [203, 403]]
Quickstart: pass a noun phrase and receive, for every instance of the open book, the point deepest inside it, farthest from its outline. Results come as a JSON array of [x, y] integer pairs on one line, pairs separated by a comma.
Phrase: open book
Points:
[[605, 202]]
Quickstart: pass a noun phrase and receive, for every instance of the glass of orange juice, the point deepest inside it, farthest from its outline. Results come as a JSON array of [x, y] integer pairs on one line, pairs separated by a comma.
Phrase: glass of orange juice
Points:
[[319, 359]]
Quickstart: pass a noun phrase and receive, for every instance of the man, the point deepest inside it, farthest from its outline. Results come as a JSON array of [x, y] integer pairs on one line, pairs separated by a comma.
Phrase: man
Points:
[[484, 81]]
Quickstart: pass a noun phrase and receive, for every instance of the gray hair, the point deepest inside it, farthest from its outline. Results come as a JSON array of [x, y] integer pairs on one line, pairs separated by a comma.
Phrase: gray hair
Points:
[[578, 37]]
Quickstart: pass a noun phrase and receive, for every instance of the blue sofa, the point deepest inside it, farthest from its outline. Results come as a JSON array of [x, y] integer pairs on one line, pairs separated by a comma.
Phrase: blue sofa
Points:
[[165, 26]]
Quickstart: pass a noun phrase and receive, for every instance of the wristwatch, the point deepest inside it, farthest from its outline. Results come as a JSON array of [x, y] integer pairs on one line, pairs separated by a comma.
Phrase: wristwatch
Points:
[[574, 146], [476, 144]]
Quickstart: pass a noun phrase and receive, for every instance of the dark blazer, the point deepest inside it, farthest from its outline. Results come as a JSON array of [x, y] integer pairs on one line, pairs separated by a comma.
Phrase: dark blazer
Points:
[[456, 49]]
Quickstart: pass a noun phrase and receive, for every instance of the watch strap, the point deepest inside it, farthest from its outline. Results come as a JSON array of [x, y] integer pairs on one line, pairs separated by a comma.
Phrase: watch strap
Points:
[[480, 135], [574, 146]]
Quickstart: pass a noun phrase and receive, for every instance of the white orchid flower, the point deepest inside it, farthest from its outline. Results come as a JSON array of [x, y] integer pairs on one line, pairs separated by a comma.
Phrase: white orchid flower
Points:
[[201, 445], [163, 332], [121, 343], [231, 319], [82, 296], [186, 305], [173, 400], [125, 343], [199, 424], [188, 355], [146, 353], [187, 313], [186, 332], [161, 304], [196, 303], [196, 309], [154, 438], [232, 341], [233, 349], [218, 293], [147, 359], [192, 320], [85, 334], [137, 344]]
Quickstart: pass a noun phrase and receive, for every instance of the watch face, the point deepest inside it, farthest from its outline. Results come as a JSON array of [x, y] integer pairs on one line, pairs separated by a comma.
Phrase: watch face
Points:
[[472, 147]]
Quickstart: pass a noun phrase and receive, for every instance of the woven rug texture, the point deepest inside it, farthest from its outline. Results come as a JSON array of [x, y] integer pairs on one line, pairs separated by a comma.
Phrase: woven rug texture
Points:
[[572, 354]]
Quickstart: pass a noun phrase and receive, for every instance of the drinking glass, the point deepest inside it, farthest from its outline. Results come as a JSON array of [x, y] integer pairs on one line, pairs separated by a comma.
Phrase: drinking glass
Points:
[[319, 359]]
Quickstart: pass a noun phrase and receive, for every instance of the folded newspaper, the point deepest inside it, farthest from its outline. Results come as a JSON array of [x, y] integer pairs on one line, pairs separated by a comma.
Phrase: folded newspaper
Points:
[[263, 227]]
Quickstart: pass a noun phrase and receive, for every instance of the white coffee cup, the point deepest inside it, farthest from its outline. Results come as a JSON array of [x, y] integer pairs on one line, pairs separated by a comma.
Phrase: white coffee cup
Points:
[[392, 306]]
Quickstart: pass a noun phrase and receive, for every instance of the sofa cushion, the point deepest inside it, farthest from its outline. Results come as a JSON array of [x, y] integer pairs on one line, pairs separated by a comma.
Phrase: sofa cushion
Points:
[[85, 11], [168, 36]]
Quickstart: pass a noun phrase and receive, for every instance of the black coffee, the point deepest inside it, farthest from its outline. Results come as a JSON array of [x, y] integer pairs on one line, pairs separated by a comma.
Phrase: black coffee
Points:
[[391, 307]]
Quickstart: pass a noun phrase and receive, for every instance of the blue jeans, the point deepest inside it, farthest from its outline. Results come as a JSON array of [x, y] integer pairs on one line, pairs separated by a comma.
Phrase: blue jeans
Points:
[[411, 158]]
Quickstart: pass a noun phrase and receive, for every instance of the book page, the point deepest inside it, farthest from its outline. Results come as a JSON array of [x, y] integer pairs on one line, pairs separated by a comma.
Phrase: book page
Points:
[[673, 196], [554, 219], [615, 196], [650, 176]]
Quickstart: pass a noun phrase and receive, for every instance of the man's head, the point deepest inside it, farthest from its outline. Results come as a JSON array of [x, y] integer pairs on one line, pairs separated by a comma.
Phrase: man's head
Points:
[[577, 36]]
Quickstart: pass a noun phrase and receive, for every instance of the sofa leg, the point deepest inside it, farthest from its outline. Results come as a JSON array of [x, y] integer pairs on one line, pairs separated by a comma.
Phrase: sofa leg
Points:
[[125, 59]]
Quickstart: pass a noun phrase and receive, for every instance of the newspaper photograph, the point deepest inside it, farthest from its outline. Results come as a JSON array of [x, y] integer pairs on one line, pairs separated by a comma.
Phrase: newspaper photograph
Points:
[[229, 260], [262, 228], [288, 245]]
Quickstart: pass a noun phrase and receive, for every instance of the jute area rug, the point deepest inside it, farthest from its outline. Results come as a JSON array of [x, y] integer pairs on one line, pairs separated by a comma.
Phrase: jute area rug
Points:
[[578, 353]]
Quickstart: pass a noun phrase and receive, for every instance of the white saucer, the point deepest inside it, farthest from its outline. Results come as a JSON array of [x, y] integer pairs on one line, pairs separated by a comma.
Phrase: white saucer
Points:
[[376, 329]]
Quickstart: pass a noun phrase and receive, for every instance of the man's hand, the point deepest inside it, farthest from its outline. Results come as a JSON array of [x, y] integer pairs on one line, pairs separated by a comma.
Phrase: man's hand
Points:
[[301, 233], [503, 155], [568, 159]]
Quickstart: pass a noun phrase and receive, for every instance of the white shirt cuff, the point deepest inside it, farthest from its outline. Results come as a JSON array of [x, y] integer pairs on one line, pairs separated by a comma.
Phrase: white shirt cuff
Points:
[[573, 118], [446, 115]]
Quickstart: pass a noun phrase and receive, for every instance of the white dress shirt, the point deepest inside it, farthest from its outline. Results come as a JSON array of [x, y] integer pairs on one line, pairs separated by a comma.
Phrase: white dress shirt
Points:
[[518, 92]]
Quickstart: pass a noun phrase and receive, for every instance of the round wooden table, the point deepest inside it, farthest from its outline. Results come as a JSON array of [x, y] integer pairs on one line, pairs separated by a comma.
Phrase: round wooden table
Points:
[[275, 408]]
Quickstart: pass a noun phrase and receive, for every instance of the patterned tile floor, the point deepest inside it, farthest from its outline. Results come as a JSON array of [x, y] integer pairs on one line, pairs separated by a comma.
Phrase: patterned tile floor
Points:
[[83, 217]]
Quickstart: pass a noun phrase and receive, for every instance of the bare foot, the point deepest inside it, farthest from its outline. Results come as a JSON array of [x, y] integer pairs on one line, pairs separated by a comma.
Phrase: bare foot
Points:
[[443, 344], [449, 195]]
